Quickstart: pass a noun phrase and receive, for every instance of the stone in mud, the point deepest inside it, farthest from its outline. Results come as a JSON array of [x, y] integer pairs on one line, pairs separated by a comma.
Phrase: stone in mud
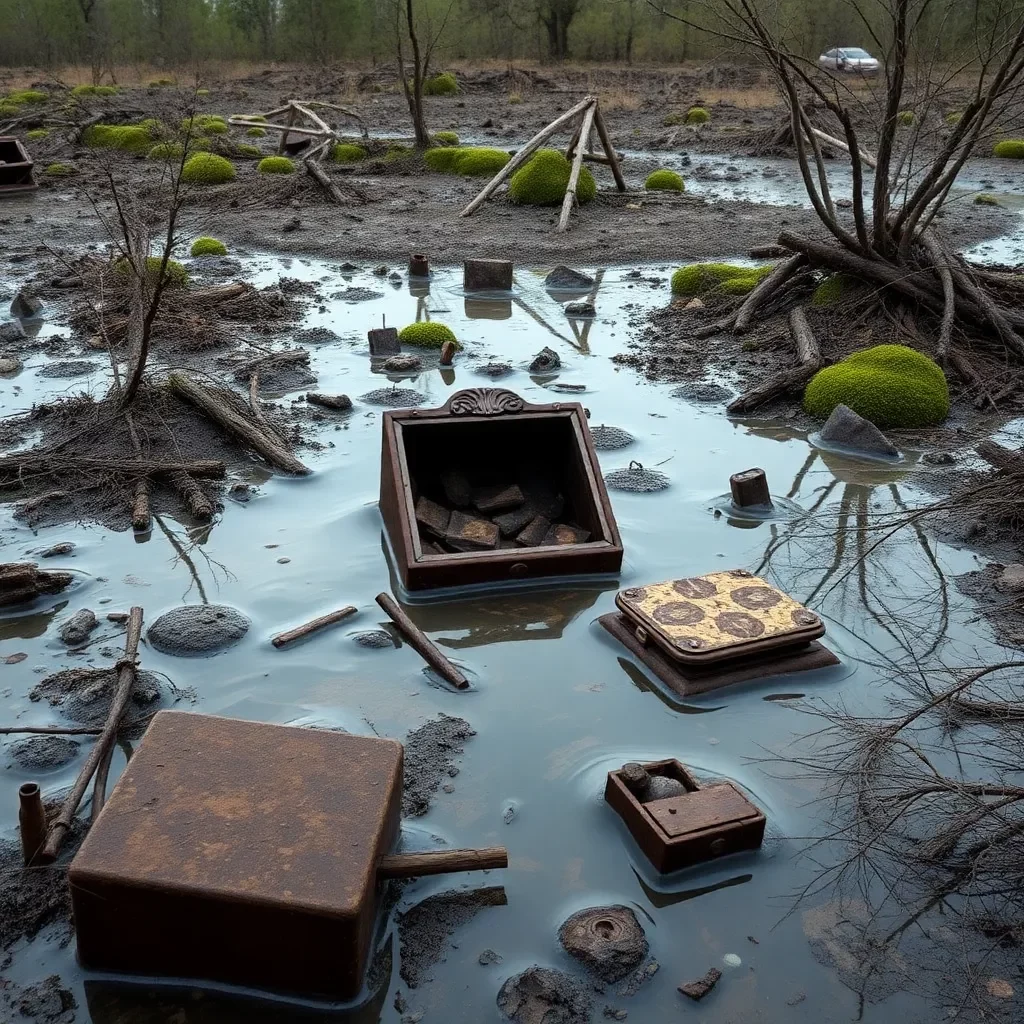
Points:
[[375, 638], [394, 398], [10, 365], [697, 990], [646, 787], [565, 279], [339, 403], [291, 224], [68, 368], [495, 370], [703, 391], [77, 629], [637, 479], [489, 957], [608, 941], [850, 430], [357, 295], [610, 438], [240, 492], [64, 547], [402, 363], [85, 694], [47, 1002], [44, 753], [479, 275], [545, 361], [541, 995], [315, 336], [938, 458], [1011, 579], [26, 305], [580, 309], [197, 629], [430, 753], [12, 331]]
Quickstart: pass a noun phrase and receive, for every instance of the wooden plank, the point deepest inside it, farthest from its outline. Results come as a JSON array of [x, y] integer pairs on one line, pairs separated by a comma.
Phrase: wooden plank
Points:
[[577, 165], [701, 810]]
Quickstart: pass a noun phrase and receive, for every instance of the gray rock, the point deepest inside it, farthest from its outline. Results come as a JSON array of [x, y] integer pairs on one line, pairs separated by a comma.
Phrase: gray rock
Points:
[[607, 940], [563, 278], [702, 391], [357, 295], [541, 995], [610, 438], [661, 787], [1011, 579], [197, 629], [44, 753], [86, 694], [394, 398], [850, 430], [939, 458], [546, 360], [580, 309], [68, 368], [402, 363], [637, 479], [77, 629], [291, 224], [315, 336], [47, 1002], [26, 305], [375, 638], [65, 547], [11, 331], [488, 957], [495, 370], [10, 364], [240, 492]]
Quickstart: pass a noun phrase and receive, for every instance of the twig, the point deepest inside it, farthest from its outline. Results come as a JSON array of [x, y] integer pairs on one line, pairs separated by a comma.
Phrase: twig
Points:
[[308, 628], [421, 644]]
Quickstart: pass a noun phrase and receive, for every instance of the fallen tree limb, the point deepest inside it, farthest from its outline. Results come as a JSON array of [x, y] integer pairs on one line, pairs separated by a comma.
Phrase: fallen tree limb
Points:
[[1000, 457], [809, 359], [308, 628], [422, 644], [764, 289], [14, 467], [140, 506], [220, 293], [191, 494], [125, 681], [228, 418]]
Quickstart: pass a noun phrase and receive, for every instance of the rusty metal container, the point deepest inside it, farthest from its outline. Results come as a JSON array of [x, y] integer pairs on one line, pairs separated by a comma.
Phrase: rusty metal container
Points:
[[242, 853], [680, 831], [16, 165], [494, 439]]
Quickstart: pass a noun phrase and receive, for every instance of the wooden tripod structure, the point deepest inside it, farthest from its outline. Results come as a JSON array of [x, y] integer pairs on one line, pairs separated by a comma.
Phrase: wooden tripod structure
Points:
[[587, 117]]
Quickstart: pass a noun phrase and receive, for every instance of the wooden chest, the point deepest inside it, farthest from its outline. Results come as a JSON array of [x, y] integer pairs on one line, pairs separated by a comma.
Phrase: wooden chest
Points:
[[16, 165]]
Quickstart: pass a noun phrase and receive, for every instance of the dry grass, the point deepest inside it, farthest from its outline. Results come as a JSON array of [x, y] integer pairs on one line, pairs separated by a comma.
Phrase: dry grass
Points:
[[620, 99], [752, 98]]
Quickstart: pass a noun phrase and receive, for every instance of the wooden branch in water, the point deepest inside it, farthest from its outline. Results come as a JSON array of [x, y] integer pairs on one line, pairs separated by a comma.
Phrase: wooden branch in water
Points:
[[198, 504], [1001, 458], [125, 681], [229, 419], [419, 641], [839, 144], [69, 730], [141, 519], [441, 862], [313, 626]]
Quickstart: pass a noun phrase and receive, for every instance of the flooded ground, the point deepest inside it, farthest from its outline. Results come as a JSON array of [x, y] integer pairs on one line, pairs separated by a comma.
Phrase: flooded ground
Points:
[[554, 713]]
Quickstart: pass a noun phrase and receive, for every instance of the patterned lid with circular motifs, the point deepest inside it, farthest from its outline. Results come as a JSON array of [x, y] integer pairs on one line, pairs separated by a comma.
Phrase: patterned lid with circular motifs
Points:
[[717, 616]]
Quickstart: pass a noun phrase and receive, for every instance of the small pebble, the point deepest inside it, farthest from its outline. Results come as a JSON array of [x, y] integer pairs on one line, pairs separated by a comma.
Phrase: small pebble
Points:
[[283, 560]]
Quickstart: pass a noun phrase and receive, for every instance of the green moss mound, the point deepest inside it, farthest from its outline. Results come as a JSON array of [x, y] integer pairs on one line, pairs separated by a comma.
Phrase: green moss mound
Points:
[[60, 170], [175, 275], [397, 152], [202, 92], [1009, 149], [205, 124], [244, 149], [276, 165], [953, 118], [665, 180], [166, 151], [891, 385], [833, 289], [207, 169], [94, 90], [22, 96], [984, 199], [446, 138], [256, 133], [671, 120], [441, 159], [206, 246], [906, 117], [697, 115], [8, 109], [704, 278], [543, 179], [441, 85], [515, 98], [128, 138], [427, 335], [36, 134], [480, 161], [347, 153]]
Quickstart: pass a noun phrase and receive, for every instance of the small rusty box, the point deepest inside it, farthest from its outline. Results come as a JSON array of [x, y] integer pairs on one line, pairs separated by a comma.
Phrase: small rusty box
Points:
[[240, 852], [16, 166], [494, 439], [677, 832]]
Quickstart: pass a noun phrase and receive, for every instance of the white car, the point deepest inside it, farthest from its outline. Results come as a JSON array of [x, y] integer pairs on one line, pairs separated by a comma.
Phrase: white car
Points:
[[850, 59]]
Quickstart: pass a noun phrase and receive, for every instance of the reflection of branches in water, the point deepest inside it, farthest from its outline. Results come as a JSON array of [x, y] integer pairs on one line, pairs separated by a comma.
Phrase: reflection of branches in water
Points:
[[184, 555]]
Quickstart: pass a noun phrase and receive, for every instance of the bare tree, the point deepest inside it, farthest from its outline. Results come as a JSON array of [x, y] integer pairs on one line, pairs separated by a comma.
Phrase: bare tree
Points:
[[409, 28]]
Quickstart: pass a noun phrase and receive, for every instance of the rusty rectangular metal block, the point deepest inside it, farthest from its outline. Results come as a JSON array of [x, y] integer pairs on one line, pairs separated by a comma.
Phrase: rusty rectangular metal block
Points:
[[384, 341], [546, 449], [481, 275], [242, 853], [677, 832], [16, 167], [491, 500], [432, 517], [564, 533], [471, 534]]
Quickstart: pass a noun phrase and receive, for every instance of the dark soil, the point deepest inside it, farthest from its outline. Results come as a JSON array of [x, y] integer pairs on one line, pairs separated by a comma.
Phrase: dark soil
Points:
[[431, 752], [84, 695], [43, 753]]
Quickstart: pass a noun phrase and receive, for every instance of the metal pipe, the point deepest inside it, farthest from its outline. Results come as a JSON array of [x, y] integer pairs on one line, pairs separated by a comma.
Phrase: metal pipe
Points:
[[31, 820]]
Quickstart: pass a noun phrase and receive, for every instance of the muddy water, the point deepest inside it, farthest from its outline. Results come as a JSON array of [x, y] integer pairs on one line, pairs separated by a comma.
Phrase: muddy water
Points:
[[555, 702]]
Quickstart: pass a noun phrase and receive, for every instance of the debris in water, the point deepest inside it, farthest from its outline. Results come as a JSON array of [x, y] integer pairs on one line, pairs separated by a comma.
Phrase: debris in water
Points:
[[541, 995], [637, 479], [607, 940], [610, 438], [697, 990]]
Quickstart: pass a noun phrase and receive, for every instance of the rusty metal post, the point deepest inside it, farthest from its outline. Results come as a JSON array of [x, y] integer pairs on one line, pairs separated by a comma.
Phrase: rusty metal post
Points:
[[447, 353], [750, 488], [31, 820], [419, 265]]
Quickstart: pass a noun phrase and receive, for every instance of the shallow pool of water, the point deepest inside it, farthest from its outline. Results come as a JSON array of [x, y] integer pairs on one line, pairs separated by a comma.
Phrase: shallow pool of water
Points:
[[554, 713]]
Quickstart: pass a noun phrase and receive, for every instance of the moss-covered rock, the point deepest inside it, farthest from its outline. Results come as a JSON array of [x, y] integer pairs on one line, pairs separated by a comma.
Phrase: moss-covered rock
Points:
[[705, 278], [480, 161], [206, 246], [244, 149], [427, 335], [276, 165], [833, 289], [515, 98], [128, 138], [543, 179], [175, 275], [446, 138], [8, 109], [441, 85], [256, 133], [1009, 149], [890, 385], [664, 180], [36, 134], [953, 118], [398, 151], [348, 153], [441, 159], [23, 96], [984, 199], [94, 90], [204, 124], [697, 115], [207, 169], [906, 118], [673, 119], [166, 151], [59, 170]]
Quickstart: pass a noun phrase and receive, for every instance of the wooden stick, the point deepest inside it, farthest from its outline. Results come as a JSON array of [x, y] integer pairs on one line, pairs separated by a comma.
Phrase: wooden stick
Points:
[[285, 133], [220, 292], [313, 626], [781, 273], [577, 165], [28, 462], [839, 144], [441, 862], [125, 681], [233, 422], [323, 179], [315, 118], [62, 730], [573, 143], [140, 506], [198, 504], [421, 644], [99, 787], [524, 154], [1000, 457], [609, 149]]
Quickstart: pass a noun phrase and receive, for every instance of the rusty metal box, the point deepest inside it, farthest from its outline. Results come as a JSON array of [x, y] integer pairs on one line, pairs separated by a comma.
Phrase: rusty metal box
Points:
[[677, 832], [494, 439], [15, 167], [240, 852]]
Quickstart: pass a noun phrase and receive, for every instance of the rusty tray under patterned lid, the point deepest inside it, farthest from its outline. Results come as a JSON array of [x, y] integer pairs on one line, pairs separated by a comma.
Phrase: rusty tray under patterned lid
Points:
[[717, 617]]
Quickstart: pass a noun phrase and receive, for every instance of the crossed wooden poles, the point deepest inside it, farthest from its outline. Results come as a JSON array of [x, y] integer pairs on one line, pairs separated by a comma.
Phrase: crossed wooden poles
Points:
[[587, 115], [320, 133]]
